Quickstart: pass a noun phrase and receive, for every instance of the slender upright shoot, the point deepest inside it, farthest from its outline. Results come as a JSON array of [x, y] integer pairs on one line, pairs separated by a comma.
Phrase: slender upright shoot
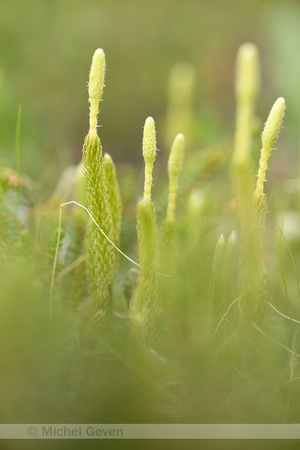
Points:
[[100, 254], [174, 169], [144, 302]]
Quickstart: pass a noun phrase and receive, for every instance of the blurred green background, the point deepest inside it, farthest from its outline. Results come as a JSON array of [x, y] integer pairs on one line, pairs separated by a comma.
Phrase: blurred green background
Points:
[[45, 55]]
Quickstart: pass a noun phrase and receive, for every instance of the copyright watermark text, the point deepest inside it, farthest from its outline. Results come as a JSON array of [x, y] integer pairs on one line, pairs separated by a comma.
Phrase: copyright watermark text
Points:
[[149, 431], [78, 431]]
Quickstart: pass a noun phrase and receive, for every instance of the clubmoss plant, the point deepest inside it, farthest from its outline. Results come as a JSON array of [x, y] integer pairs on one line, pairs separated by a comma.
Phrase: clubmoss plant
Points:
[[144, 304], [170, 285], [174, 169], [168, 226], [246, 90], [269, 137], [100, 253], [113, 196]]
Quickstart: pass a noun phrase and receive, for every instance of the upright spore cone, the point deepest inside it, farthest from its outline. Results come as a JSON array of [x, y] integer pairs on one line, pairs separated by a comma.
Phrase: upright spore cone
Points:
[[149, 153], [269, 137], [96, 83], [247, 73]]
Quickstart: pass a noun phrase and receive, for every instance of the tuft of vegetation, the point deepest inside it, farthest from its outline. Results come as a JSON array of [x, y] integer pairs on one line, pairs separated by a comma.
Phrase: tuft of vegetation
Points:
[[190, 319]]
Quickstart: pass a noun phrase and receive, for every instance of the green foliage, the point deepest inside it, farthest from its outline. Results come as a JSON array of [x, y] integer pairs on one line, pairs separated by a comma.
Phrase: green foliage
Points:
[[113, 196], [144, 305], [193, 334], [100, 254]]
